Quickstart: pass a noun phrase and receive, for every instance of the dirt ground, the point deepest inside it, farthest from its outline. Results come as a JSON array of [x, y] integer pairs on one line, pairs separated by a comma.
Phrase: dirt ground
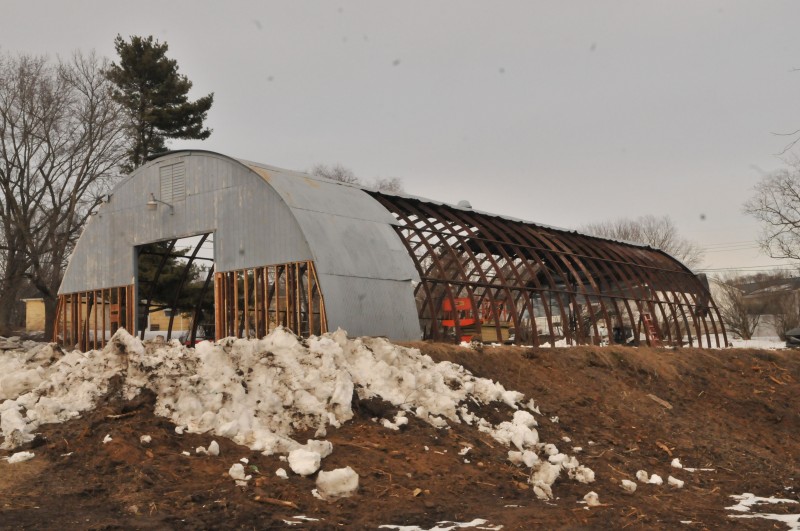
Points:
[[733, 411]]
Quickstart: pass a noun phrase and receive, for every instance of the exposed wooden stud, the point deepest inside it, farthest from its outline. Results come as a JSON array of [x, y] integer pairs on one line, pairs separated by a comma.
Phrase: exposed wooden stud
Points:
[[103, 313], [246, 300]]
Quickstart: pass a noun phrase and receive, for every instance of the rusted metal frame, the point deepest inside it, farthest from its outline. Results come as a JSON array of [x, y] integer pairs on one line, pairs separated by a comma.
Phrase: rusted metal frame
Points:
[[595, 270], [664, 280], [655, 281], [476, 221], [409, 237], [636, 280], [322, 315], [219, 305], [154, 281], [461, 217], [590, 273], [487, 285], [524, 235], [643, 282], [569, 253], [689, 291], [427, 295], [625, 281], [198, 308], [458, 260], [529, 234], [184, 276], [412, 228], [503, 228], [435, 312], [616, 272], [692, 279], [246, 303]]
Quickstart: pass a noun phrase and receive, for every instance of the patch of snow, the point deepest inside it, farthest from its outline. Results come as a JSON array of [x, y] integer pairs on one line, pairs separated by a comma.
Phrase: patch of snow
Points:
[[145, 439], [213, 448], [629, 485], [304, 462], [19, 457], [339, 483], [446, 526], [655, 479], [592, 499], [107, 439], [237, 473], [642, 476], [748, 500], [676, 463], [675, 482], [281, 473]]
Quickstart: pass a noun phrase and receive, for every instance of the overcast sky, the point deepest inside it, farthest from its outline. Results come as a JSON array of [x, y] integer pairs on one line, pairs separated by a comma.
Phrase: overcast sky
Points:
[[563, 113]]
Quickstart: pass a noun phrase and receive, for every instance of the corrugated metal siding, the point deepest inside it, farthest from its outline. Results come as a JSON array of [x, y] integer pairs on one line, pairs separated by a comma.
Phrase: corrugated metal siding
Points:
[[252, 224], [374, 307], [364, 270]]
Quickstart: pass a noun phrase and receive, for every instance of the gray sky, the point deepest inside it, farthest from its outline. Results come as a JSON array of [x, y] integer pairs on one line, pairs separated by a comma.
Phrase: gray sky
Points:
[[563, 113]]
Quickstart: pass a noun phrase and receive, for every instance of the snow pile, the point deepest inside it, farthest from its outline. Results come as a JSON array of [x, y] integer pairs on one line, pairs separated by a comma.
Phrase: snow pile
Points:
[[259, 392]]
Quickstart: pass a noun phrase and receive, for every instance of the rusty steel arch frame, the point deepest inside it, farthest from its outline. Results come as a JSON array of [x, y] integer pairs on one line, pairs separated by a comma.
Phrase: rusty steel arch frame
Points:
[[550, 283]]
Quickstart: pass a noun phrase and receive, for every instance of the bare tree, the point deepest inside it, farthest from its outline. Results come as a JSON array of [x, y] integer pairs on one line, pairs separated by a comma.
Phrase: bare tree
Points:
[[659, 232], [339, 173], [61, 142], [776, 204], [739, 315], [785, 311]]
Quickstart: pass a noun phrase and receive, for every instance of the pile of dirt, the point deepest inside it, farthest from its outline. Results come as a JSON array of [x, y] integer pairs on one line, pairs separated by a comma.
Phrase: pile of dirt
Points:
[[734, 412]]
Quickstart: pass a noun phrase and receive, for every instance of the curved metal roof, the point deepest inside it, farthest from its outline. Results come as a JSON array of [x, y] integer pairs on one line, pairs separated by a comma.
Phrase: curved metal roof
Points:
[[260, 215]]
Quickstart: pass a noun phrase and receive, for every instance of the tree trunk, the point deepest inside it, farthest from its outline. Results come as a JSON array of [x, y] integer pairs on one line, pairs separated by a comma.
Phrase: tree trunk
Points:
[[50, 307]]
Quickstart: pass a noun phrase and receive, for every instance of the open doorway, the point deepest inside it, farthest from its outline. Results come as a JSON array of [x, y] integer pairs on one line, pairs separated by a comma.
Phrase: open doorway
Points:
[[174, 289]]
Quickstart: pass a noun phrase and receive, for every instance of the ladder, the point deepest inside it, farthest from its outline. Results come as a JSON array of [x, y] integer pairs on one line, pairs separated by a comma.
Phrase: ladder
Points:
[[650, 330]]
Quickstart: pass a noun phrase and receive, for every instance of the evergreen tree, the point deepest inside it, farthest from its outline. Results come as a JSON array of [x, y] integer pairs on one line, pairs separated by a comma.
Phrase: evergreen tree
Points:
[[155, 97]]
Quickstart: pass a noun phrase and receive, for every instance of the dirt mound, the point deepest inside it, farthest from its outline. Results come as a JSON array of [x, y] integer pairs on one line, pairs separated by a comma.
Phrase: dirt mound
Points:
[[732, 411]]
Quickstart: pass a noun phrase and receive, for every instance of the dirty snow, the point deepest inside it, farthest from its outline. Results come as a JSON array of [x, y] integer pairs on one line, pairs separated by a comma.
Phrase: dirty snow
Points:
[[259, 392]]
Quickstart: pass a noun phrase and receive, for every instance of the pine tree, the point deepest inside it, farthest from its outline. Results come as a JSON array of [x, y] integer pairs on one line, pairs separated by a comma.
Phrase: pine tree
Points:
[[155, 97]]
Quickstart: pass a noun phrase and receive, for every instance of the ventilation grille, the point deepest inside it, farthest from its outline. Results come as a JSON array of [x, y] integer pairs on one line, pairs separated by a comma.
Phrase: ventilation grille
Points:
[[173, 182]]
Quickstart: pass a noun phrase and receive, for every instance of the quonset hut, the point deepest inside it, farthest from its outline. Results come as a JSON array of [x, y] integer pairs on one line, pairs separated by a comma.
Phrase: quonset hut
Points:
[[283, 248]]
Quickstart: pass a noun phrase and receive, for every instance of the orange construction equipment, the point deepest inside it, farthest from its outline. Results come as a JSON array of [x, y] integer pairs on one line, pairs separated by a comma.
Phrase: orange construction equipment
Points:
[[464, 314]]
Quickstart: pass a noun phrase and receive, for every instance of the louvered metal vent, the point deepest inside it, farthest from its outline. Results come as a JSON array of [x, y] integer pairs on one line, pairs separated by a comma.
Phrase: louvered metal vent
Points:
[[173, 182]]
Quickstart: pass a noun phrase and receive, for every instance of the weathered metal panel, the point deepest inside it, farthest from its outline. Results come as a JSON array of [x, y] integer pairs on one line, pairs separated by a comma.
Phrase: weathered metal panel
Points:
[[354, 247], [375, 307], [253, 226], [260, 215], [305, 192]]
